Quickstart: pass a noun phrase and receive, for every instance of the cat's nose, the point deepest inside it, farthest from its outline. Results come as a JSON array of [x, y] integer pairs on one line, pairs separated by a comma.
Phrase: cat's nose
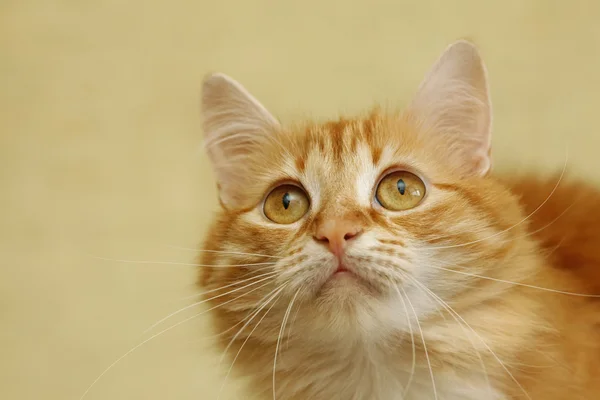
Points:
[[336, 233]]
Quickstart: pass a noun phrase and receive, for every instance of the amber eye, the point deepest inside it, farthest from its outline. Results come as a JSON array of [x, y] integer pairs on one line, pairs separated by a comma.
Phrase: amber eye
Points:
[[400, 190], [286, 204]]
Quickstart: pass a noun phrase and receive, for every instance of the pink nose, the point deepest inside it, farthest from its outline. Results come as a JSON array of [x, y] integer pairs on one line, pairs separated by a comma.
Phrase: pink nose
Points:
[[336, 233]]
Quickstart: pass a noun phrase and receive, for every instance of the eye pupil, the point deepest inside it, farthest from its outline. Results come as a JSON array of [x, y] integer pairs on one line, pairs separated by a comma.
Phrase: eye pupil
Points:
[[400, 191], [286, 204], [401, 186], [286, 200]]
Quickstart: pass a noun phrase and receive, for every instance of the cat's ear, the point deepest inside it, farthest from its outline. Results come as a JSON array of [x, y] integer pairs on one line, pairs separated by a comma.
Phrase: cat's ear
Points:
[[236, 126], [453, 107]]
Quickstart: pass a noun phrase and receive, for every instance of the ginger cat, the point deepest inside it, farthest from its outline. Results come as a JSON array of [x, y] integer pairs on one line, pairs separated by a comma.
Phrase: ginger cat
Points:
[[378, 258]]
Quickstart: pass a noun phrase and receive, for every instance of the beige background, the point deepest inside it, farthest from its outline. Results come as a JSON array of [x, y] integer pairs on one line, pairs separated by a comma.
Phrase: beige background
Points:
[[100, 151]]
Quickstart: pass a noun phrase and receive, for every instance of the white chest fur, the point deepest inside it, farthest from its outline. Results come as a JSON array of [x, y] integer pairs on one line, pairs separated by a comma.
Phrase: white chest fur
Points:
[[369, 375]]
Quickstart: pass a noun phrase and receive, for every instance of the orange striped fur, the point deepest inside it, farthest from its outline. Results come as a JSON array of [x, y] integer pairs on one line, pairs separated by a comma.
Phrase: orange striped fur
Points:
[[457, 298]]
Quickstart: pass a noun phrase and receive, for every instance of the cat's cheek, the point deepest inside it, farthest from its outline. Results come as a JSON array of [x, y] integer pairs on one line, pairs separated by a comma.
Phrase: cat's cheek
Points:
[[268, 237], [421, 303]]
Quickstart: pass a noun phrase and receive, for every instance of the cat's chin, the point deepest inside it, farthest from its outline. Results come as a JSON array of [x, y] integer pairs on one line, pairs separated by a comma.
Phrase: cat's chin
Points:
[[345, 286], [347, 310]]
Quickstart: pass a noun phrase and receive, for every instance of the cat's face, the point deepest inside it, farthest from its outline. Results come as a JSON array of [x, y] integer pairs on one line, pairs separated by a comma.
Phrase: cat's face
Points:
[[356, 219]]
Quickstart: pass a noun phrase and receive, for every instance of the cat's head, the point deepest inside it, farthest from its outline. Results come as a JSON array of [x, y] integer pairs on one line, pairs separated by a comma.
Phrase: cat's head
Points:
[[355, 220]]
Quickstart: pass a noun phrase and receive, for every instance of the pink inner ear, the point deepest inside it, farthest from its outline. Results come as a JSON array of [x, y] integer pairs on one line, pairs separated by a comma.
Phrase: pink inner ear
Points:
[[453, 104], [236, 127]]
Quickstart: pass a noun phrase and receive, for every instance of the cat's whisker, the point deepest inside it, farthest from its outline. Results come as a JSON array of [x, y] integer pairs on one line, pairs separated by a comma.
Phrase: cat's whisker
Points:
[[444, 237], [283, 323], [231, 284], [476, 334], [549, 223], [216, 335], [251, 315], [554, 189], [254, 270], [267, 264], [243, 320], [287, 343], [414, 348], [161, 333], [398, 288], [287, 262], [452, 313], [225, 252], [514, 283], [182, 263], [254, 314], [555, 247], [269, 275], [532, 233]]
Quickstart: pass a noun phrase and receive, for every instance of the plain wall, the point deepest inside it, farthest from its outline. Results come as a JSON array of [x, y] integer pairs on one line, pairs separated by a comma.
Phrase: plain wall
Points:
[[101, 157]]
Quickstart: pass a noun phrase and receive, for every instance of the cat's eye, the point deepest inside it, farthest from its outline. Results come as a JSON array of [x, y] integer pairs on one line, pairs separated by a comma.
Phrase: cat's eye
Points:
[[286, 204], [400, 190]]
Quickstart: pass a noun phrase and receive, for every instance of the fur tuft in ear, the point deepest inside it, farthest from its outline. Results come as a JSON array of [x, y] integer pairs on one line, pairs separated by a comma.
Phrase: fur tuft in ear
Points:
[[453, 107], [236, 126]]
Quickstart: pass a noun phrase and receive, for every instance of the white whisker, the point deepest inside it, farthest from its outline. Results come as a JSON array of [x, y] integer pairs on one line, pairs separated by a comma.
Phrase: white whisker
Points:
[[250, 316], [181, 263], [515, 283], [255, 270], [518, 223], [243, 320], [414, 349], [250, 334], [482, 341], [555, 247], [212, 298], [287, 343], [549, 223], [222, 252], [285, 318], [422, 339], [448, 308], [229, 285], [159, 334]]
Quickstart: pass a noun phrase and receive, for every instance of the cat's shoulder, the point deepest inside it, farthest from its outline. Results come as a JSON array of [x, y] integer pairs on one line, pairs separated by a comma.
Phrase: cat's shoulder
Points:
[[563, 214]]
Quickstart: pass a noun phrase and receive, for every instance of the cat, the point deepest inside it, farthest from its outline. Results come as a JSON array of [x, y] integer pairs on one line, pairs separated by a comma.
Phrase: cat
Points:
[[379, 258]]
